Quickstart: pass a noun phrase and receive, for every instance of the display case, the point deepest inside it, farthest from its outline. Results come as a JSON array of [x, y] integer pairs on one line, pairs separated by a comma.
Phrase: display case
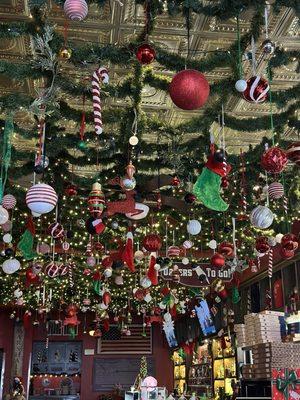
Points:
[[179, 372], [200, 372], [224, 366]]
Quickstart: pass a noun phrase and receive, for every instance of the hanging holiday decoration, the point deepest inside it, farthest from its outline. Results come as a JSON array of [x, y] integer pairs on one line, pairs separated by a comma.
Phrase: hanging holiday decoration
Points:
[[152, 243], [193, 227], [100, 75], [226, 249], [293, 153], [241, 85], [9, 201], [262, 245], [274, 160], [25, 245], [94, 226], [56, 230], [261, 217], [289, 244], [127, 254], [76, 10], [4, 216], [207, 186], [190, 198], [71, 190], [145, 54], [11, 266], [175, 181], [219, 287], [6, 158], [189, 89], [41, 198], [96, 200], [140, 211], [275, 190], [173, 251], [217, 260], [267, 45], [187, 244], [257, 90]]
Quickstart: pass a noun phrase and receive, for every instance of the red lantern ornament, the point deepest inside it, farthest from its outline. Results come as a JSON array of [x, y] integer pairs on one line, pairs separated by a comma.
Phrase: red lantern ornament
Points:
[[96, 200], [262, 245], [71, 191], [217, 260], [257, 90], [145, 54], [152, 242], [189, 89], [289, 242], [226, 249], [274, 160], [293, 153]]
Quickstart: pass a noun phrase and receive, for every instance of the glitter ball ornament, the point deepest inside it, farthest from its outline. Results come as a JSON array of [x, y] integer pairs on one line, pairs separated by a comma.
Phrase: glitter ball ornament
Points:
[[217, 260], [41, 198], [128, 184], [289, 242], [96, 200], [262, 245], [76, 10], [145, 54], [275, 190], [9, 201], [152, 242], [261, 217], [189, 89], [193, 227], [139, 255], [240, 85], [65, 53], [257, 90], [274, 160], [268, 46], [293, 153], [7, 238]]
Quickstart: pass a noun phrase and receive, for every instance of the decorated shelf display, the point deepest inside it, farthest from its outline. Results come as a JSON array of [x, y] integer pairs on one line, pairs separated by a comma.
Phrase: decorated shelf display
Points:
[[180, 378], [224, 366], [200, 378]]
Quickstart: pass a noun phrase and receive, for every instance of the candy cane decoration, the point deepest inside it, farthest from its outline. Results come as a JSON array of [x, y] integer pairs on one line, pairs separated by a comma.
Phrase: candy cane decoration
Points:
[[100, 75], [285, 204], [270, 265]]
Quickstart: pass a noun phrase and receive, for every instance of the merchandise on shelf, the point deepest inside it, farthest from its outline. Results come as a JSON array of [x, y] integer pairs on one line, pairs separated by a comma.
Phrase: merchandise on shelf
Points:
[[200, 372], [179, 372]]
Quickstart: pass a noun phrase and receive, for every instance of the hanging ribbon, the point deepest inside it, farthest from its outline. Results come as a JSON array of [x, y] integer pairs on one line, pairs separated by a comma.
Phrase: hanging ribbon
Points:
[[238, 34], [253, 51], [267, 22], [6, 153], [271, 105]]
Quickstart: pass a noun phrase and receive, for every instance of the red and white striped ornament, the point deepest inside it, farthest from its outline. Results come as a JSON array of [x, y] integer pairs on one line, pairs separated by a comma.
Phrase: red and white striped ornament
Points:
[[293, 153], [41, 198], [257, 89], [96, 200], [56, 230], [173, 251], [52, 269], [9, 201], [270, 264], [275, 190], [100, 75], [63, 269], [76, 10]]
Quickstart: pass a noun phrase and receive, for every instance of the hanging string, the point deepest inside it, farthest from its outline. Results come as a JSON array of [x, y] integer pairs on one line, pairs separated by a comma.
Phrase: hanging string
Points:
[[188, 26], [83, 121], [266, 22], [243, 182], [253, 51], [6, 152], [271, 104], [238, 34]]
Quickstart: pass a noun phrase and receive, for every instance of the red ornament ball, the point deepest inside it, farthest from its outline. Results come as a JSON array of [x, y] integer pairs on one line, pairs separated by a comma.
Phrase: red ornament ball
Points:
[[287, 253], [189, 89], [145, 54], [226, 249], [293, 153], [257, 90], [152, 242], [289, 242], [217, 260], [71, 191], [175, 181], [190, 198], [262, 245], [275, 190], [274, 160]]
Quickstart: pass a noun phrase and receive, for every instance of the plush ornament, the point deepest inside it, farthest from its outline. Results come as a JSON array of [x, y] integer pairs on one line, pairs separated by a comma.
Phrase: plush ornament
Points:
[[106, 298], [189, 89], [240, 85], [212, 244], [152, 242], [261, 217], [257, 90], [41, 198], [274, 160], [9, 252], [226, 249], [175, 181], [217, 260], [56, 230], [275, 190], [128, 183], [7, 226], [43, 248], [262, 245], [145, 282], [108, 272], [293, 153], [173, 251], [187, 244], [94, 226], [193, 227], [25, 245], [127, 254], [11, 266], [145, 54], [268, 46], [4, 216], [7, 238], [139, 255], [190, 198], [96, 200], [76, 10], [9, 201], [289, 242], [71, 191], [207, 186]]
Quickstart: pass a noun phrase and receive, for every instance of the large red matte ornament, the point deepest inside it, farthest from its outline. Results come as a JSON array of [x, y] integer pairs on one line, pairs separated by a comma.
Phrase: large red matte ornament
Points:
[[145, 54], [257, 90], [152, 242], [217, 260], [293, 153], [289, 242], [189, 89], [226, 249], [262, 245], [274, 160]]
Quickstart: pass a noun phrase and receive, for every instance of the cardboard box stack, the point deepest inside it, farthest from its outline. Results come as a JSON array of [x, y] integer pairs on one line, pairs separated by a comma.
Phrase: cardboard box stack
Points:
[[264, 327], [239, 330]]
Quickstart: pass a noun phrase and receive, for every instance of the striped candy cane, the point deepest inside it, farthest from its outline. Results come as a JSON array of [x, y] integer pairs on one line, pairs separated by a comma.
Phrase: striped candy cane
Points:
[[285, 204], [100, 75], [270, 265]]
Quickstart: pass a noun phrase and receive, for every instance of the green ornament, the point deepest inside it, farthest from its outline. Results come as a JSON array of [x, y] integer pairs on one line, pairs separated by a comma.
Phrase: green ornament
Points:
[[235, 296], [82, 145]]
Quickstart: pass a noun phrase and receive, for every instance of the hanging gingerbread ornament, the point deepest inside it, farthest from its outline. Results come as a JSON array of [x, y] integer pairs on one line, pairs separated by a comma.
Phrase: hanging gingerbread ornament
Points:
[[96, 200]]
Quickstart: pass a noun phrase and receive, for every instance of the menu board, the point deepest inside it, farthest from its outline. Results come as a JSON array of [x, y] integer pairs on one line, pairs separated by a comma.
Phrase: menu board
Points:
[[109, 372]]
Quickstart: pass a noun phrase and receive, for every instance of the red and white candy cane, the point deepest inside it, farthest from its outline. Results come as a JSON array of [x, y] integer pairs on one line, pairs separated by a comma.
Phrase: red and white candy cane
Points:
[[270, 265], [100, 75]]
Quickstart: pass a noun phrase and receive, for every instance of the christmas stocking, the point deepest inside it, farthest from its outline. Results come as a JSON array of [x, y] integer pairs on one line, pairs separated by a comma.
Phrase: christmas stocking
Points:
[[207, 186], [25, 245], [127, 255], [152, 272]]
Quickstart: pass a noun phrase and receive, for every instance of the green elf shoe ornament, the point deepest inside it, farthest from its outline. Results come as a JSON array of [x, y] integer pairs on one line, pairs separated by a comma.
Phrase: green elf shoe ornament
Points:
[[207, 186]]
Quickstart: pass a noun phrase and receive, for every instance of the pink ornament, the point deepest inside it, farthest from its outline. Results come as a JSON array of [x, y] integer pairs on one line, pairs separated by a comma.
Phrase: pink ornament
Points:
[[9, 201], [173, 251], [7, 226], [187, 244], [43, 248], [66, 246], [76, 10], [91, 261], [149, 383]]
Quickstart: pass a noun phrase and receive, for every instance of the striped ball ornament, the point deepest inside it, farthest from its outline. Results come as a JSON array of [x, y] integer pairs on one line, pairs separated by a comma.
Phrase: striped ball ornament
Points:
[[76, 10], [9, 201], [275, 190], [261, 217], [41, 198], [173, 251], [293, 153]]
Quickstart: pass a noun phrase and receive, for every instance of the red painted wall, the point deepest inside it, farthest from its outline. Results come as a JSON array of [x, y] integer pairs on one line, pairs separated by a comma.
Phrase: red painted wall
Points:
[[161, 354]]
